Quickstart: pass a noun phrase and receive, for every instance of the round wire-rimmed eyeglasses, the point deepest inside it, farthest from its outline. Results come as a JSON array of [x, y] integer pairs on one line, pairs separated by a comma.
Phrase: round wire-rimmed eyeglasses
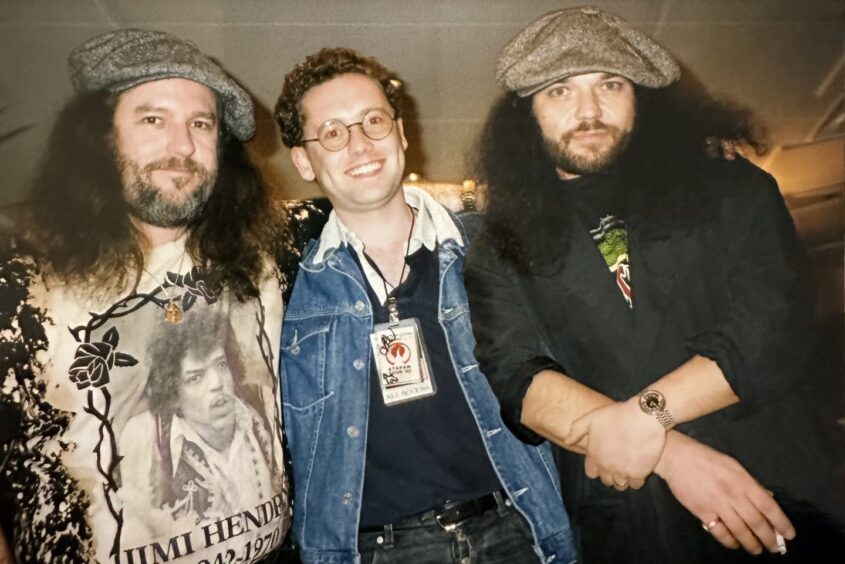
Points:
[[334, 135]]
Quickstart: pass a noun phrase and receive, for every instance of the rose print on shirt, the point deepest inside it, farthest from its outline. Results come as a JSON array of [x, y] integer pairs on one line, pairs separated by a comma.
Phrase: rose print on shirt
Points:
[[93, 361]]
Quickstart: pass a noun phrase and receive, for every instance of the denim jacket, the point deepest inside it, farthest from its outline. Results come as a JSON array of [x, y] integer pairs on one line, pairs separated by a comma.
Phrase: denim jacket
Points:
[[325, 376]]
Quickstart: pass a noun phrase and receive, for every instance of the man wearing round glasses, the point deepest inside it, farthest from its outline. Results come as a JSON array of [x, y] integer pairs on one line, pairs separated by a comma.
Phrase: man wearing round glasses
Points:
[[333, 135], [398, 449]]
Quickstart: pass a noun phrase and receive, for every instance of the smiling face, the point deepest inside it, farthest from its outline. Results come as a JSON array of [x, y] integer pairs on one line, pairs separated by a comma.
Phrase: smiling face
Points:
[[586, 121], [365, 175], [165, 139]]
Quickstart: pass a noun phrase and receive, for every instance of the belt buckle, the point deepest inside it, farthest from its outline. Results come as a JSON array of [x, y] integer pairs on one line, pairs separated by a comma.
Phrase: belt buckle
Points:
[[461, 513], [450, 526]]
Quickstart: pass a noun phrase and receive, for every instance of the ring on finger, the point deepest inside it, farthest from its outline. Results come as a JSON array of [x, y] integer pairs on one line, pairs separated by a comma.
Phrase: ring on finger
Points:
[[710, 525]]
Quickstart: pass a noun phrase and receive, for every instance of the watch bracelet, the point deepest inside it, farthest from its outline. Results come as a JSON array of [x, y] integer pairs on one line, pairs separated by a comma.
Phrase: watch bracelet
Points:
[[665, 419]]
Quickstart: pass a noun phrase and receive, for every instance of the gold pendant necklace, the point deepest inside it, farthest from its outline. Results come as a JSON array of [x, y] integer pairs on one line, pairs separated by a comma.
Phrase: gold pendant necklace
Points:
[[173, 312]]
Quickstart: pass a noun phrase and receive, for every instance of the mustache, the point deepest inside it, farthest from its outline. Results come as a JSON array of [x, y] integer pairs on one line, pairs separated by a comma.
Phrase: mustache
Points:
[[593, 125], [584, 126], [174, 163]]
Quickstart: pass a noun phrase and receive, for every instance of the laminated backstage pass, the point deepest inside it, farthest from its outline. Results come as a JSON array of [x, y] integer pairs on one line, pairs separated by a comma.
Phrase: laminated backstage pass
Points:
[[402, 364]]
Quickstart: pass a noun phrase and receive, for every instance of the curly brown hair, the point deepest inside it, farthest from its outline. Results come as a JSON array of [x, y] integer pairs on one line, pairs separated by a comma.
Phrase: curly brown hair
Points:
[[197, 335], [322, 67]]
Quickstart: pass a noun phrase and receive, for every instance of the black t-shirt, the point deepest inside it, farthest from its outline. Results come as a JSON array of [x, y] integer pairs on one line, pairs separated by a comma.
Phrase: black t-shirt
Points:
[[599, 202], [423, 452]]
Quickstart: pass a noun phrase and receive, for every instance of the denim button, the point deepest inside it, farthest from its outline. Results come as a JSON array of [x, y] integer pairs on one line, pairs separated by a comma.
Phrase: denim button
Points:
[[359, 306], [379, 539], [353, 431], [295, 349], [347, 498], [358, 364]]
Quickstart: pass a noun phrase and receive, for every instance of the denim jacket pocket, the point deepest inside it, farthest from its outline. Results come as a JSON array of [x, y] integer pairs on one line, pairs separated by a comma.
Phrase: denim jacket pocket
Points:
[[304, 363]]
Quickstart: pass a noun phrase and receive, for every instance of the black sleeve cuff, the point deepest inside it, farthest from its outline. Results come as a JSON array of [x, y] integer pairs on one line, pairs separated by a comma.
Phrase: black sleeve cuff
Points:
[[515, 392]]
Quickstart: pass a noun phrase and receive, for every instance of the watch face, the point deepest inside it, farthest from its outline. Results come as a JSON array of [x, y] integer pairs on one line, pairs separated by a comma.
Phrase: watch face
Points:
[[652, 401]]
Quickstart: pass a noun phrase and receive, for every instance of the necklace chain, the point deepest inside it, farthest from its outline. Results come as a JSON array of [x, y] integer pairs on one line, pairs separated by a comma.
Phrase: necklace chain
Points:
[[173, 312]]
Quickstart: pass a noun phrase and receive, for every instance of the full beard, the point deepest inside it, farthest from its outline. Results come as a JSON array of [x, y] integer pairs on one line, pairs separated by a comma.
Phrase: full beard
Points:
[[593, 160], [153, 206]]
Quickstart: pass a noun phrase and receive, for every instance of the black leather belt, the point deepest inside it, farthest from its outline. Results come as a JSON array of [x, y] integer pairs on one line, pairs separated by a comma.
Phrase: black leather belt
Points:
[[448, 516]]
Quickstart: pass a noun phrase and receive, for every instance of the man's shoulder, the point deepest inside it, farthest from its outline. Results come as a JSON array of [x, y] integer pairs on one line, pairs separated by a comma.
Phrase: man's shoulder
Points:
[[741, 186], [706, 190], [18, 273], [306, 219], [305, 222], [24, 335], [737, 173], [468, 222]]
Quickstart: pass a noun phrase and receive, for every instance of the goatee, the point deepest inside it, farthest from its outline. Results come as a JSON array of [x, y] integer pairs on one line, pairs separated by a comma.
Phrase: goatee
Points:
[[594, 161], [150, 204]]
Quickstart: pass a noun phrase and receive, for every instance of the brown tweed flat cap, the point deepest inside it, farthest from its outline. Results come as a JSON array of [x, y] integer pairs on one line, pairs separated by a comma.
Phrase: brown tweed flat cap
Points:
[[582, 40], [119, 60]]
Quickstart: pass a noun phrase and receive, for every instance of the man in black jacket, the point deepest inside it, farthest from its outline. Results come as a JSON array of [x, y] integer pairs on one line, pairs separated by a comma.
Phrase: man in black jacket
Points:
[[646, 285]]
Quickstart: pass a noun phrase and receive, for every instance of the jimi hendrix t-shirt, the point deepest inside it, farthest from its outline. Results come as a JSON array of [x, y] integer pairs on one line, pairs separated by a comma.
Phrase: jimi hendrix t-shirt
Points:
[[151, 421]]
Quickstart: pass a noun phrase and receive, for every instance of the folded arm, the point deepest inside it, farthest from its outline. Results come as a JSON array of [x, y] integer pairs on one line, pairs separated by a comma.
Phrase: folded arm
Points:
[[712, 486], [540, 401], [752, 352]]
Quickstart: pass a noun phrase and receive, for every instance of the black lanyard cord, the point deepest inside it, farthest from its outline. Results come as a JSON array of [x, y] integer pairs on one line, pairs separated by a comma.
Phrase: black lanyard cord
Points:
[[391, 300]]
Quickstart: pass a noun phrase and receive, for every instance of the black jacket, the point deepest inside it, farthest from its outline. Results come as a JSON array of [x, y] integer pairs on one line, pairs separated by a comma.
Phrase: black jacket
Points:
[[733, 285]]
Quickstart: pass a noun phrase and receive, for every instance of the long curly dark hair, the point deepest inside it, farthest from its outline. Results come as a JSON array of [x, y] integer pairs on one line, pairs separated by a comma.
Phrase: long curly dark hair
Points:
[[78, 222], [679, 132], [322, 67], [197, 335]]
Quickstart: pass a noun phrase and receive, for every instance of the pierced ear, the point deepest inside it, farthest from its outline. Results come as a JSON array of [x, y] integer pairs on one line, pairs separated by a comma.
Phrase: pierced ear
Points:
[[302, 163]]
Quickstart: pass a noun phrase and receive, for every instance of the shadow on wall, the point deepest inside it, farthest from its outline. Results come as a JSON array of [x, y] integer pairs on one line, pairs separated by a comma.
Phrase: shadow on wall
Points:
[[263, 149]]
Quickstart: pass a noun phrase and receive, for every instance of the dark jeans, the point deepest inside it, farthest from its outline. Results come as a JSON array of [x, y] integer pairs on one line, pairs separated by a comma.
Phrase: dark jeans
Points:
[[497, 536]]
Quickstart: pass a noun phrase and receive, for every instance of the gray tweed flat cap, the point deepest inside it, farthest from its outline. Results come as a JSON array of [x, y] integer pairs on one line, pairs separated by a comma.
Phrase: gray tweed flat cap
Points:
[[581, 40], [122, 59]]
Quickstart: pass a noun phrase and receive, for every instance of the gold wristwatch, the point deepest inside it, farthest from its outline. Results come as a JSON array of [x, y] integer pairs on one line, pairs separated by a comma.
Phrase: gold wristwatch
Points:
[[653, 403]]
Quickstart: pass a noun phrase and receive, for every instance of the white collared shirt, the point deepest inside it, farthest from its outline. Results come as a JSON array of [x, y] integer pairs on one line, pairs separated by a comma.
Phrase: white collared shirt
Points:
[[432, 225], [240, 476]]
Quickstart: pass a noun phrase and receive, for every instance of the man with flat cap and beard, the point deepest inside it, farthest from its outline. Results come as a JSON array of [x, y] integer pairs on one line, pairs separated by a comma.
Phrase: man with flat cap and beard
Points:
[[648, 308], [146, 213]]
